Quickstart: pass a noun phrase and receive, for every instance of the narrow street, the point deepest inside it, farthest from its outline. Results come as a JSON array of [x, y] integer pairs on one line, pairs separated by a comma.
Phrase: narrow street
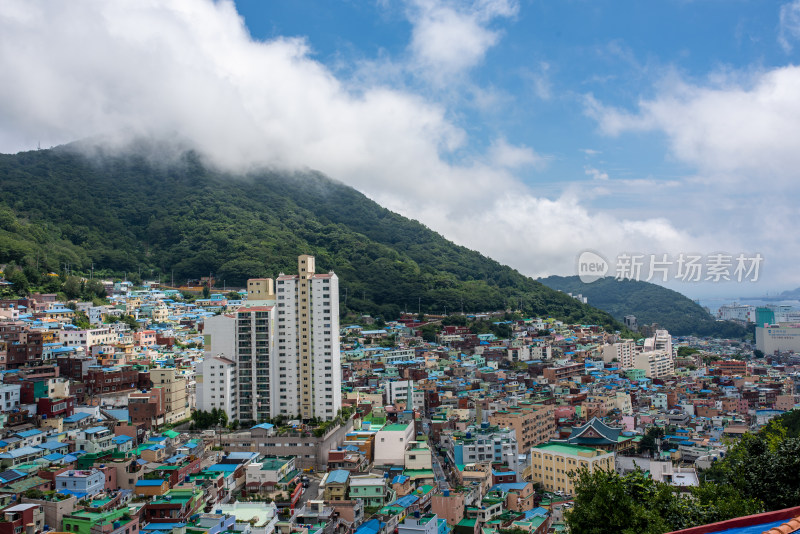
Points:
[[441, 479]]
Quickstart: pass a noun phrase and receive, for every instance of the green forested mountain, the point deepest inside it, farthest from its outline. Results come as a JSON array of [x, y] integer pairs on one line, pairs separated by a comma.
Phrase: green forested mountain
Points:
[[128, 213], [650, 303]]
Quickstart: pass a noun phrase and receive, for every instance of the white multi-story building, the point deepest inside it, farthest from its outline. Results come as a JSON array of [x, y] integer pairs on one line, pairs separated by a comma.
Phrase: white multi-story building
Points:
[[403, 391], [391, 442], [237, 372], [623, 351], [216, 385], [255, 362], [655, 363], [660, 341], [778, 338], [737, 312], [89, 338], [483, 444], [9, 396]]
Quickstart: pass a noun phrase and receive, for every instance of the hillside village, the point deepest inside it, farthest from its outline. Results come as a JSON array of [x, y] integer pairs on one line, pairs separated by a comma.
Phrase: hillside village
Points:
[[141, 414]]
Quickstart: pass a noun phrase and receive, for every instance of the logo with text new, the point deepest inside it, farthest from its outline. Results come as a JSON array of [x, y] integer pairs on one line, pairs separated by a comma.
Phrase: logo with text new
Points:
[[591, 266]]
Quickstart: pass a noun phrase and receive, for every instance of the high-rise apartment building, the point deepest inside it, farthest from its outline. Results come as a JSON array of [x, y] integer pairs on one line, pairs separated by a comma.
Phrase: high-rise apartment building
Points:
[[255, 334], [309, 365], [284, 344]]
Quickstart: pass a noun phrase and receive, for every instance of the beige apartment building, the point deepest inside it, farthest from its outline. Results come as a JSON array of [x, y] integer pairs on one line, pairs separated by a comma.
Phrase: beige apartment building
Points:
[[655, 363], [531, 423], [623, 352], [553, 464], [175, 400]]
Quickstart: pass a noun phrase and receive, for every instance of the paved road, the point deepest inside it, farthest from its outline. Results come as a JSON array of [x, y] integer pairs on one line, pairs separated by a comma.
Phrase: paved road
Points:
[[312, 492], [438, 472]]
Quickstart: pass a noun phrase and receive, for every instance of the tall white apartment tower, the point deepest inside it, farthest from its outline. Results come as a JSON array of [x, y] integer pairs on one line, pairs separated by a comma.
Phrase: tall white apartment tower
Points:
[[305, 372], [309, 371]]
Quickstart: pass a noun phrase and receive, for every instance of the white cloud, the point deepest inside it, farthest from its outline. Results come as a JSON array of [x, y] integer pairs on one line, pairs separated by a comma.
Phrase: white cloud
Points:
[[739, 134], [539, 78], [502, 154], [450, 37], [188, 70], [596, 174], [789, 29], [731, 129]]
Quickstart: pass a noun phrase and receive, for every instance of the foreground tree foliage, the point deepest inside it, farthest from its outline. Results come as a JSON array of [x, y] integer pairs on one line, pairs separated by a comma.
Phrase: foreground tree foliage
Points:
[[761, 472], [609, 503], [765, 466]]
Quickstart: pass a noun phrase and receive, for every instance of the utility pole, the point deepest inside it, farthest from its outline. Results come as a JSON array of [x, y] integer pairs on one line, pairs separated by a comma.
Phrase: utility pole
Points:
[[91, 276]]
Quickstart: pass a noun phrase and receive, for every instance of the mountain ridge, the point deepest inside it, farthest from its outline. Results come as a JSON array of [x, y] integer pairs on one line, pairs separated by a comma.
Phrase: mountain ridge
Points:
[[650, 303], [130, 212]]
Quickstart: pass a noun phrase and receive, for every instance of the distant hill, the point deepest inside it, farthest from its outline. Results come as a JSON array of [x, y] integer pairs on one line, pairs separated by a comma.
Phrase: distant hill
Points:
[[791, 294], [650, 303], [130, 213]]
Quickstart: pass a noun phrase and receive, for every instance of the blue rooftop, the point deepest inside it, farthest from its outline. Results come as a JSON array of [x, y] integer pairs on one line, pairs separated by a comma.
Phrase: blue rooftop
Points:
[[53, 445], [338, 476], [149, 483], [509, 486], [373, 526], [22, 451], [224, 468], [405, 502]]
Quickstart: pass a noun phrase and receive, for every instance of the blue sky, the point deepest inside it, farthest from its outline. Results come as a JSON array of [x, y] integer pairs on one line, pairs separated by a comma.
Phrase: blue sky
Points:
[[548, 57], [528, 130]]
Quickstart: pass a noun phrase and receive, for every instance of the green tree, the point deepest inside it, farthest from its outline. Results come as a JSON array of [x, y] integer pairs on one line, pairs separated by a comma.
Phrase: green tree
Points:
[[19, 280], [763, 466], [130, 320], [93, 289], [428, 332], [72, 287], [607, 503], [648, 441], [206, 292], [81, 321], [758, 354]]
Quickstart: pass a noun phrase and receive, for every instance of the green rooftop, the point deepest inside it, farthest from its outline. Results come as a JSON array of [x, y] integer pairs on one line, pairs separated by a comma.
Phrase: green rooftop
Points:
[[566, 448], [274, 464]]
